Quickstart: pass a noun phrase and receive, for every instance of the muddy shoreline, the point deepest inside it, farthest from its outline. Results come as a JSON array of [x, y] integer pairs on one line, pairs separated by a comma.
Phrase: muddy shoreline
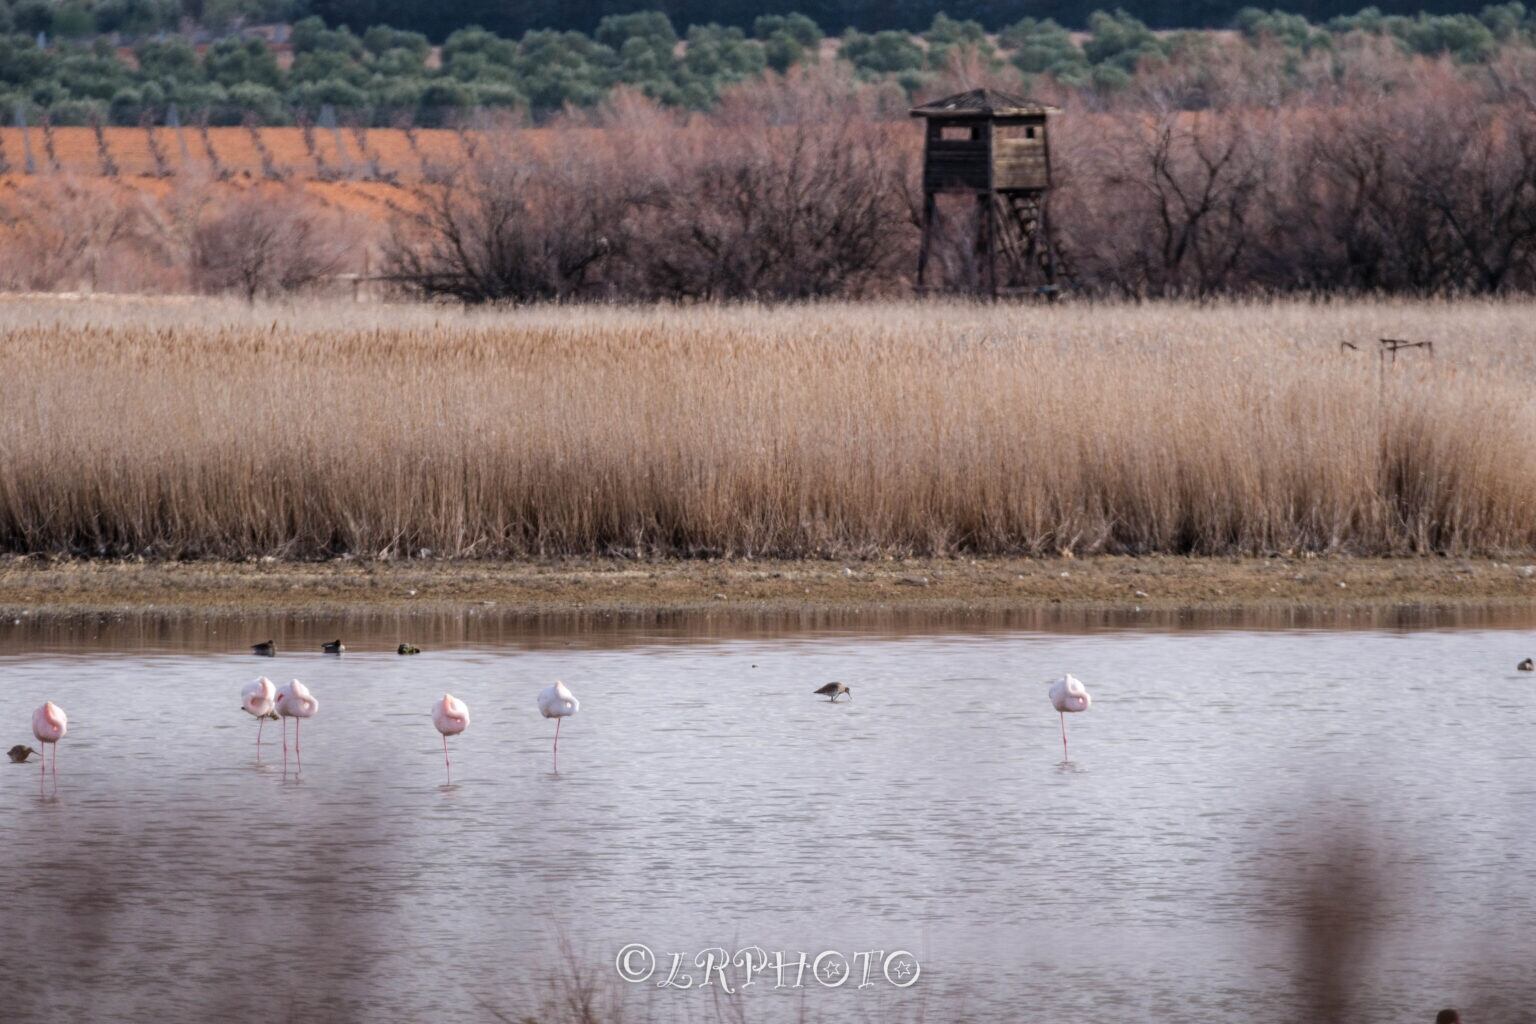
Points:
[[35, 586]]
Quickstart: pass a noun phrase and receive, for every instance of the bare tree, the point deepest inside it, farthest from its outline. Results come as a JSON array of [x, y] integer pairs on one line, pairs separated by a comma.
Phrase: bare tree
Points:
[[795, 192], [1184, 187], [265, 244], [513, 224]]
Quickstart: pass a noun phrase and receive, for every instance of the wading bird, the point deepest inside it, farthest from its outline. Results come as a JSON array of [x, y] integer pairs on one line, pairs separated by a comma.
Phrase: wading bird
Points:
[[451, 717], [296, 702], [257, 699], [333, 647], [19, 753], [1068, 695], [49, 725], [265, 649], [557, 702], [832, 691]]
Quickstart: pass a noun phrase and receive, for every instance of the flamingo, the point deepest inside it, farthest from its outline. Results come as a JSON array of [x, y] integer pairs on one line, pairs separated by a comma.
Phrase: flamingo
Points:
[[557, 702], [295, 701], [49, 725], [832, 691], [451, 717], [1068, 695], [257, 699]]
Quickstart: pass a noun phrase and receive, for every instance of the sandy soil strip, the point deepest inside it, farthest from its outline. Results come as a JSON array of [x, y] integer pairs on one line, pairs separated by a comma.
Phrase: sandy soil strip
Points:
[[39, 586]]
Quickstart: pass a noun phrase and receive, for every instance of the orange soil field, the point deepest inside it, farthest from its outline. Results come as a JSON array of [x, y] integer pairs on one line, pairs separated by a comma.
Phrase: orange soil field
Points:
[[347, 176]]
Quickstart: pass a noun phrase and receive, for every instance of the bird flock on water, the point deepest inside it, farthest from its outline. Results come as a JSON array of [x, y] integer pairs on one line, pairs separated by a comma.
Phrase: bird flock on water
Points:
[[265, 701]]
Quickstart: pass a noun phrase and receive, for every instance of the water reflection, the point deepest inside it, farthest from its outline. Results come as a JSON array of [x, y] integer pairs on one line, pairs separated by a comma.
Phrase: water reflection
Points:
[[486, 626], [1267, 823]]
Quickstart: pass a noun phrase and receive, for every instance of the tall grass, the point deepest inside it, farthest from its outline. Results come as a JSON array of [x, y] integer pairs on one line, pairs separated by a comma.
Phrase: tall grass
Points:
[[848, 430]]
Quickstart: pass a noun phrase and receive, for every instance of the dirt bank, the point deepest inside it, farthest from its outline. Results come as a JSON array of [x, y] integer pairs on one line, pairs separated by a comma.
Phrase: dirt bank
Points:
[[39, 586]]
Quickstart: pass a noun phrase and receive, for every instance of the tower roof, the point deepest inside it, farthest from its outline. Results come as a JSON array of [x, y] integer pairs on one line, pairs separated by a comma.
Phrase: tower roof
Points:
[[982, 103]]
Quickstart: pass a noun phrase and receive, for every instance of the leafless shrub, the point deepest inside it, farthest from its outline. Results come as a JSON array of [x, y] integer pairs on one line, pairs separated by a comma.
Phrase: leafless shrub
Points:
[[67, 233], [103, 151], [269, 167], [323, 170], [513, 229], [1181, 191], [49, 149], [215, 165], [156, 150], [793, 191], [375, 166], [266, 244]]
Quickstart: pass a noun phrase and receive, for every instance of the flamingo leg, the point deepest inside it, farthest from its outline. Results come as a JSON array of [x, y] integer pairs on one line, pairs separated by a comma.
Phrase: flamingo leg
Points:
[[557, 744], [1064, 755], [260, 722], [42, 760], [298, 752], [55, 769], [447, 763]]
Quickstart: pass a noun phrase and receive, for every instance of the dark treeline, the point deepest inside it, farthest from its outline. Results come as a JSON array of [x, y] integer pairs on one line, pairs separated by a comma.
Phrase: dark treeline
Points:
[[277, 75], [438, 19]]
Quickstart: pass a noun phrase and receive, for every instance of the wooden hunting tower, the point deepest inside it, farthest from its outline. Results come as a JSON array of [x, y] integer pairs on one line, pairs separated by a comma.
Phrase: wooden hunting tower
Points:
[[993, 147]]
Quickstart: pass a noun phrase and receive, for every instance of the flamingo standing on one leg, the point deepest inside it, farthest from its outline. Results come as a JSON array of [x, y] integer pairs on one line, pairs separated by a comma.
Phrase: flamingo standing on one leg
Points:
[[296, 702], [1068, 695], [451, 717], [49, 725], [257, 699], [557, 702]]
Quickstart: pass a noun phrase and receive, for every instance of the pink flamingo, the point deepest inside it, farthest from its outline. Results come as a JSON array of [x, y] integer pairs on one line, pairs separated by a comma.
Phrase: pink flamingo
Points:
[[49, 725], [557, 702], [451, 717], [295, 701], [1068, 695], [256, 699]]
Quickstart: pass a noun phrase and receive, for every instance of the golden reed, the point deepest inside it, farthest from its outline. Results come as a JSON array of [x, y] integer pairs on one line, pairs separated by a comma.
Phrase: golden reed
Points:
[[209, 429]]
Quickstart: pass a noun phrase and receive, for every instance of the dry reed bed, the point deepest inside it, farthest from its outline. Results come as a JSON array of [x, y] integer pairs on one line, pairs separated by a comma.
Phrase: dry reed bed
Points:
[[206, 429]]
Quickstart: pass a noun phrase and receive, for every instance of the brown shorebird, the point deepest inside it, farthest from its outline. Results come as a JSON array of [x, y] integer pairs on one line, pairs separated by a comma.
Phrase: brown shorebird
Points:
[[19, 753], [832, 691], [334, 647], [1527, 665], [408, 649], [265, 649]]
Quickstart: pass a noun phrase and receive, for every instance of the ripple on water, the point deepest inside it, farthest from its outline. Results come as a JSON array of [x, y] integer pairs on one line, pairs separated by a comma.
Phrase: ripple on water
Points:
[[702, 801]]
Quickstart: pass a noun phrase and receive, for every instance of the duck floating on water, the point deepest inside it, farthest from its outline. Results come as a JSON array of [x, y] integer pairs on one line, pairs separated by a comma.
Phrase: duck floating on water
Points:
[[265, 649], [1527, 665], [832, 691], [333, 647], [408, 649]]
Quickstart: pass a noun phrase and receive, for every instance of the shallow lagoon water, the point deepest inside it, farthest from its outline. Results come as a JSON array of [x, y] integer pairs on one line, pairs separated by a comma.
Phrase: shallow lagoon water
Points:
[[706, 799]]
